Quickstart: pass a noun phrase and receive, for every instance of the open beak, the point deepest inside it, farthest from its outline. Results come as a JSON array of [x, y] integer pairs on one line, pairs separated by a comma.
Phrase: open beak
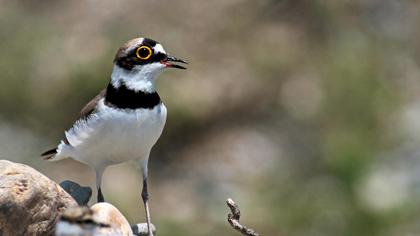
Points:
[[168, 62]]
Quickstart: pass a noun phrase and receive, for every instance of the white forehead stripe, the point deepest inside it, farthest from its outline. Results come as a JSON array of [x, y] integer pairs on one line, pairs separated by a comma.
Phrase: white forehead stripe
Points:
[[135, 43], [158, 48]]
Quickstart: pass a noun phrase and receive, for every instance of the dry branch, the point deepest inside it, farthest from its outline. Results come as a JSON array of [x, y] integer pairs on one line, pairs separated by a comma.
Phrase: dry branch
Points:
[[233, 219]]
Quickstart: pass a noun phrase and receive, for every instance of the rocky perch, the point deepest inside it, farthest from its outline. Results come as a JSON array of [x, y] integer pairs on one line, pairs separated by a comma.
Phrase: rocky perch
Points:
[[32, 204]]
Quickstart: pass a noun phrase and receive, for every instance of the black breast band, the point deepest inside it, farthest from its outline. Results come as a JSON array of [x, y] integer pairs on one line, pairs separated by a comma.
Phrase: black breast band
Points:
[[125, 98]]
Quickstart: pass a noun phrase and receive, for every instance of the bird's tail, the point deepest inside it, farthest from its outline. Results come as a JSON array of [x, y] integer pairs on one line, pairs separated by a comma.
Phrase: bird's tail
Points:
[[62, 151], [49, 155]]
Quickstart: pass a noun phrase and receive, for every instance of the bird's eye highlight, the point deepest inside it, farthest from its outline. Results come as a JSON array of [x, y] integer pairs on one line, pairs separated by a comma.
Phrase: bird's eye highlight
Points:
[[144, 52]]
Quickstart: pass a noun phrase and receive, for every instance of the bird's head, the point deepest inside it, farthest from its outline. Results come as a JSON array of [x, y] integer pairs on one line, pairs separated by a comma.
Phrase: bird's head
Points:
[[145, 54], [140, 60]]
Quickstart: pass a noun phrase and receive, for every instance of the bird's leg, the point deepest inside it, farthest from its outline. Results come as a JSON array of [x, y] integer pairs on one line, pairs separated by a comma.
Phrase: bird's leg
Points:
[[99, 173], [145, 197], [100, 196], [145, 194]]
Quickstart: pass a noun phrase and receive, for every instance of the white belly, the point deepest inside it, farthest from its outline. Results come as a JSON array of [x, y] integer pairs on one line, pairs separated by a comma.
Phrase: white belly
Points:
[[112, 136]]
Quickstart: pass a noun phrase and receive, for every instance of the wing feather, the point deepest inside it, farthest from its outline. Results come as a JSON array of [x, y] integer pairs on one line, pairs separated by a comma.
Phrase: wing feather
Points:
[[87, 110]]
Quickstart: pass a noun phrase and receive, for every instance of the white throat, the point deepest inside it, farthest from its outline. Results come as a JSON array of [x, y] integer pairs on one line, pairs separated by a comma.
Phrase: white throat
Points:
[[137, 79]]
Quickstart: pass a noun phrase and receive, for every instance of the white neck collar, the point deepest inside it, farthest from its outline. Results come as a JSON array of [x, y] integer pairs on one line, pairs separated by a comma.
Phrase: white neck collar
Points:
[[142, 79]]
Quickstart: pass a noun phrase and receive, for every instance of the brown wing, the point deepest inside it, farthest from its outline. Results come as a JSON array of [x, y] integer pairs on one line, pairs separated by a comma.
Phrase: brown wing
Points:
[[88, 109]]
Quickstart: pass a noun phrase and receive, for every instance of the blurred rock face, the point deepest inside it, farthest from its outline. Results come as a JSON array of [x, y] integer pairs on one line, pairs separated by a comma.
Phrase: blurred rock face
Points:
[[30, 203], [101, 219]]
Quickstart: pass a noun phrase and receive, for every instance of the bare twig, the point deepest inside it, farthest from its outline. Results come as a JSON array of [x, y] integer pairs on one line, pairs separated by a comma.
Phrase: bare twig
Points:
[[233, 219]]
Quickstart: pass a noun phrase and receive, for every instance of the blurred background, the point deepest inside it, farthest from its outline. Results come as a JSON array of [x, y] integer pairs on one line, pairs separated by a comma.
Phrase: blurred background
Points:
[[305, 112]]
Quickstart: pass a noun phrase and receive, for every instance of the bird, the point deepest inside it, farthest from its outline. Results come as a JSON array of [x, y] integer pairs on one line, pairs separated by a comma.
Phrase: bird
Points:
[[125, 120]]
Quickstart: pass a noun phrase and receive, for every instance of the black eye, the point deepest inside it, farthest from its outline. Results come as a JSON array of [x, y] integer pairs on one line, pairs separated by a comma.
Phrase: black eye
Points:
[[144, 52]]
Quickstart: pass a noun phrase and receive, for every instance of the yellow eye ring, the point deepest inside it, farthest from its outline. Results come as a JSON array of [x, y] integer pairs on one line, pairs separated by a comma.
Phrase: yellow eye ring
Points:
[[144, 54]]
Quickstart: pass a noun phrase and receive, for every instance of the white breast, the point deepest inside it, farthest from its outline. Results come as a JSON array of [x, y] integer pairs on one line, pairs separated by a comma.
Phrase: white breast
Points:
[[113, 136]]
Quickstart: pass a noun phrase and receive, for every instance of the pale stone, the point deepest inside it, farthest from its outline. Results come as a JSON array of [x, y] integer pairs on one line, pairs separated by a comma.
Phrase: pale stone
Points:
[[108, 214], [101, 219], [30, 203]]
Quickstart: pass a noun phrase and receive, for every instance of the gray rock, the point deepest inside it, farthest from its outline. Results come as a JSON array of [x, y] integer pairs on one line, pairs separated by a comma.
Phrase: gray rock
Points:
[[79, 193], [141, 229], [30, 203]]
